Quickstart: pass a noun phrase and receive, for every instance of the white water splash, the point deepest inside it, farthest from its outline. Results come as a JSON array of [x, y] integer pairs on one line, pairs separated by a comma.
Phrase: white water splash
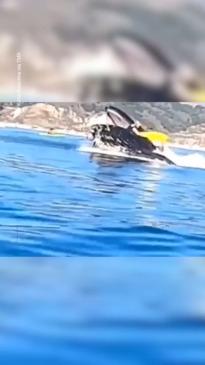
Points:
[[114, 152], [103, 151], [193, 160]]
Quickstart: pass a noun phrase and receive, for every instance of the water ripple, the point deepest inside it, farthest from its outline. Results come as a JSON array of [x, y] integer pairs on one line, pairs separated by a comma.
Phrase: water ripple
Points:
[[55, 200]]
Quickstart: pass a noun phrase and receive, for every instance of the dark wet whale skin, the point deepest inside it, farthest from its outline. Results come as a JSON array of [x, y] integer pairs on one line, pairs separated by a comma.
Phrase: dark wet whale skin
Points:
[[134, 144]]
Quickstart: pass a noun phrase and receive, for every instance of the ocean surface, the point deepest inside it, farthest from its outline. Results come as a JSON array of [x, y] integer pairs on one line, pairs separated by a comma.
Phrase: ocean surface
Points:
[[56, 200], [102, 260]]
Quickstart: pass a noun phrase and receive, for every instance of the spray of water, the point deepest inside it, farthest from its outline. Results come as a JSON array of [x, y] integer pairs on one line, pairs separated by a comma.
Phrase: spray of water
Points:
[[191, 160]]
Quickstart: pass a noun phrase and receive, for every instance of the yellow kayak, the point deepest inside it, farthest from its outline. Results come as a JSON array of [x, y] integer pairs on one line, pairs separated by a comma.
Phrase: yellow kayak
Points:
[[198, 96], [156, 137]]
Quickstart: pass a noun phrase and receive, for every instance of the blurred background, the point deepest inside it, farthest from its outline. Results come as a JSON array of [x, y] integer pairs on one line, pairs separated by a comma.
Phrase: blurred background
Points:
[[102, 311], [100, 50]]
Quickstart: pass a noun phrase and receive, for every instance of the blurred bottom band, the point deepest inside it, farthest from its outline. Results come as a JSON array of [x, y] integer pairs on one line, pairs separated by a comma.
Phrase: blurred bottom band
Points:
[[102, 310]]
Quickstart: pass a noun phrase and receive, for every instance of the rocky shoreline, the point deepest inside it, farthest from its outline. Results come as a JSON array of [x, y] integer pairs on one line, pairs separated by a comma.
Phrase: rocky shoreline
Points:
[[45, 117], [192, 137], [72, 119]]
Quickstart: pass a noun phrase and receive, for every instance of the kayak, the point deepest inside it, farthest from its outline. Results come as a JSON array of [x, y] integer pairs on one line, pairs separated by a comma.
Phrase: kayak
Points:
[[156, 137], [198, 96], [114, 129]]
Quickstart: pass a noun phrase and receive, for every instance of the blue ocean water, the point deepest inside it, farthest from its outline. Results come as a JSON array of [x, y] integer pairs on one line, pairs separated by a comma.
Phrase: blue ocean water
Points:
[[58, 201], [114, 272]]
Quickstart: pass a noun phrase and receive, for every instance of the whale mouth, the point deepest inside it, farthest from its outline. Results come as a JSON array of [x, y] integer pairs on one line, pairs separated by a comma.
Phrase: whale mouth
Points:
[[112, 116], [114, 129], [100, 119]]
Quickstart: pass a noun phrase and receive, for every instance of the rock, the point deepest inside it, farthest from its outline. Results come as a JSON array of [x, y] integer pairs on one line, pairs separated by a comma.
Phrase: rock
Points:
[[46, 116], [73, 117], [193, 136], [40, 113], [57, 43]]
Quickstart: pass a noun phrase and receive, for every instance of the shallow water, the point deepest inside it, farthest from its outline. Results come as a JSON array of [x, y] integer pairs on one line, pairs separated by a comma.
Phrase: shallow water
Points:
[[58, 201]]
